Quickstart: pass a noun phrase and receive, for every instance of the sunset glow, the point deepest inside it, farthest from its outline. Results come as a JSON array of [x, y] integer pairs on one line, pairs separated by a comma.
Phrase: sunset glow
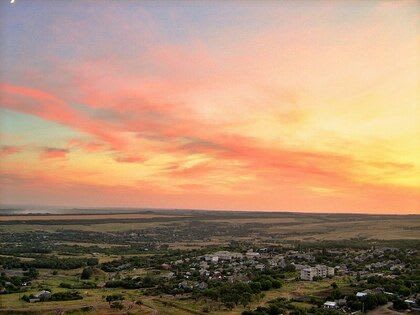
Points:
[[282, 105]]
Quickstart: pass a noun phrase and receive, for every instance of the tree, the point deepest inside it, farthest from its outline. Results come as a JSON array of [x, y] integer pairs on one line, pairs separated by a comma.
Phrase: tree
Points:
[[86, 273], [399, 305], [274, 310], [114, 297], [245, 299], [32, 273], [336, 294], [370, 302], [266, 285], [229, 305], [255, 287]]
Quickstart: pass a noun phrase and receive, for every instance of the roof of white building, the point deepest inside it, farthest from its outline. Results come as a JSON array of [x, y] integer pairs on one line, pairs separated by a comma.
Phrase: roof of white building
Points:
[[330, 303]]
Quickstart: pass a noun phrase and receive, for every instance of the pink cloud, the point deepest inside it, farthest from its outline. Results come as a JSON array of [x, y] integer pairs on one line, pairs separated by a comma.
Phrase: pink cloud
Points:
[[54, 153], [129, 159], [88, 146], [9, 149], [50, 107]]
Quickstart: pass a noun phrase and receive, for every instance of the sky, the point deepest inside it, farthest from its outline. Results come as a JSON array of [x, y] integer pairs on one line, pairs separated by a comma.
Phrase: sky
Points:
[[308, 106]]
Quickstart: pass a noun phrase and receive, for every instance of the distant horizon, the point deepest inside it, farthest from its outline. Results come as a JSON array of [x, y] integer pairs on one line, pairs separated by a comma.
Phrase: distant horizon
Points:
[[299, 105], [142, 209]]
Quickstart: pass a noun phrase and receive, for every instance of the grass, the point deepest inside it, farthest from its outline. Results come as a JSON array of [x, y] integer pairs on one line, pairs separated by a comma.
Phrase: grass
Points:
[[286, 226], [93, 297], [163, 305]]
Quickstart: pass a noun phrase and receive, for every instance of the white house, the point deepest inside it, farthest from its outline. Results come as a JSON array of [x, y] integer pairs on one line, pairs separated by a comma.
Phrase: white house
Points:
[[330, 305]]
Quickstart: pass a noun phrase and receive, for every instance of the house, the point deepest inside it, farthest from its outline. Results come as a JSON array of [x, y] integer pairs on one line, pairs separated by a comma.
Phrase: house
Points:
[[324, 271], [186, 285], [303, 256], [300, 267], [341, 269], [225, 255], [33, 300], [361, 294], [277, 261], [320, 271], [44, 294], [204, 265], [165, 266], [330, 305], [342, 302], [222, 255], [251, 254], [308, 273], [202, 285], [260, 267], [41, 296]]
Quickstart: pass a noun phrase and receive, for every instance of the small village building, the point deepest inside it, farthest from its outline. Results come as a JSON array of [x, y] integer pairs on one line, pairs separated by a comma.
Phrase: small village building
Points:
[[165, 266], [202, 285], [43, 295], [330, 305]]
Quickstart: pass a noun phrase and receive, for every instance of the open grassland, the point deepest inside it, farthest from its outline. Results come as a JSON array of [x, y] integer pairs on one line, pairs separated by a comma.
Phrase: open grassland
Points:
[[158, 304], [31, 217], [92, 297], [291, 289], [264, 225]]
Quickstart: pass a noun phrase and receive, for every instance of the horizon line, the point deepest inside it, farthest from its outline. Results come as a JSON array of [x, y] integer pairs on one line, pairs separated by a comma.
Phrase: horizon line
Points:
[[132, 208]]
